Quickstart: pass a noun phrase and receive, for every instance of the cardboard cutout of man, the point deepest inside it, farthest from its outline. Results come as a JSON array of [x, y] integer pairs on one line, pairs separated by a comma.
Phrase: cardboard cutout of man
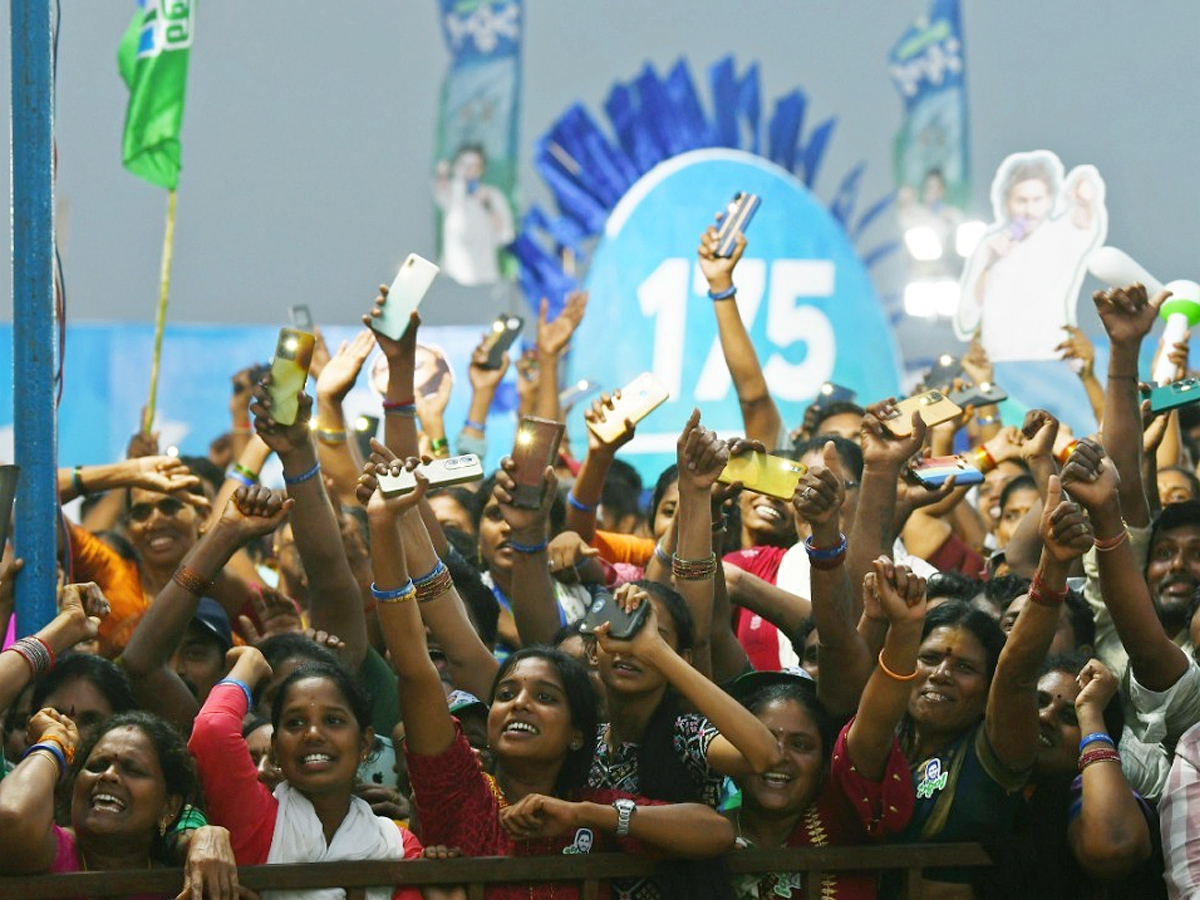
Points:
[[476, 220], [1020, 286]]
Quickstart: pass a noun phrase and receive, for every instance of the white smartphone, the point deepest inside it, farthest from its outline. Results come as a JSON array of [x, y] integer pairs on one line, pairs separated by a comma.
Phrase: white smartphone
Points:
[[404, 296], [638, 399], [439, 472]]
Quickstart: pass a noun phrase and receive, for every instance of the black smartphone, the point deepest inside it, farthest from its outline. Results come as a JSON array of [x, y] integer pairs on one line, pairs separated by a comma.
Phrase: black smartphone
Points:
[[984, 394], [943, 372], [504, 331], [606, 609], [301, 317]]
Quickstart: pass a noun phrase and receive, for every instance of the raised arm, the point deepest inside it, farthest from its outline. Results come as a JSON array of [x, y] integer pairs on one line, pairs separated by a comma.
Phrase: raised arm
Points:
[[900, 595], [759, 412], [1091, 478], [335, 604], [428, 728], [843, 655], [745, 745], [552, 341], [399, 404], [1109, 837], [165, 474], [589, 483], [338, 454], [1128, 315], [27, 795], [484, 382], [251, 512], [1012, 708], [534, 601]]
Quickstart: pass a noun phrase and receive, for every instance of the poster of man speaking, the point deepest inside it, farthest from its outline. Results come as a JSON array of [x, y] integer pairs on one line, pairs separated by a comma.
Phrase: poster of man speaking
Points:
[[1020, 286]]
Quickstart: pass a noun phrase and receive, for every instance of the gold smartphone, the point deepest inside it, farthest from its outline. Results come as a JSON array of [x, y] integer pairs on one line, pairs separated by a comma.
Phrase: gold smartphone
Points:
[[289, 371], [638, 399], [934, 407], [775, 476], [534, 448]]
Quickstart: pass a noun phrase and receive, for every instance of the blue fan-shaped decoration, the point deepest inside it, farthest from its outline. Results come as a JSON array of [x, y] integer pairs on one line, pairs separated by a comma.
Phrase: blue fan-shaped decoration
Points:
[[654, 119]]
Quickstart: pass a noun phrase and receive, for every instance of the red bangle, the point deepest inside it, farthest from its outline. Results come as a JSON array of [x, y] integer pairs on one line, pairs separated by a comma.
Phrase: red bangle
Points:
[[397, 404], [1101, 754], [1065, 453], [49, 651], [1104, 545], [984, 460], [1044, 596]]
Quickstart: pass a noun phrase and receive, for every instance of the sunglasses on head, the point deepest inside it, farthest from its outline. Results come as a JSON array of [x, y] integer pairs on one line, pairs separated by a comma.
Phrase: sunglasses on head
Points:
[[168, 506]]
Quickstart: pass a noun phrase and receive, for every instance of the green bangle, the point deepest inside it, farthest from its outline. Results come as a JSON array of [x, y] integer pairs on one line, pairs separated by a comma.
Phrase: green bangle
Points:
[[77, 481]]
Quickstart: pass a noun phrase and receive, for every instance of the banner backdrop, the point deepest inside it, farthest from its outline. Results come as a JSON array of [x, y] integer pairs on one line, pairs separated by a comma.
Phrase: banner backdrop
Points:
[[804, 294], [930, 152], [107, 366], [476, 154]]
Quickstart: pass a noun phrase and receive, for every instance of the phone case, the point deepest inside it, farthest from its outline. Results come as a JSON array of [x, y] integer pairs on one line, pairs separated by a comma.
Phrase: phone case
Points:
[[775, 476], [735, 220], [572, 394], [439, 473], [638, 399], [1178, 393], [404, 296], [289, 371], [535, 447], [984, 394], [606, 609], [934, 407], [934, 471], [504, 331], [301, 317]]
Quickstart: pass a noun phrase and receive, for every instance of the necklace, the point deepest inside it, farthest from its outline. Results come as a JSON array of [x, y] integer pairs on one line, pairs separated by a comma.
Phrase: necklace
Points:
[[782, 884]]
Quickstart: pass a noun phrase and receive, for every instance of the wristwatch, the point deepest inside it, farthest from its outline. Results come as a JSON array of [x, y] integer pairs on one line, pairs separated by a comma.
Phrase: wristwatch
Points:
[[625, 810]]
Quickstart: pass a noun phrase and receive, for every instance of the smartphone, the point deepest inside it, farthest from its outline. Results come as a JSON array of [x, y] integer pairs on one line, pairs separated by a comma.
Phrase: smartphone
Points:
[[982, 394], [439, 472], [504, 331], [942, 373], [775, 476], [623, 625], [580, 390], [300, 317], [9, 475], [365, 428], [934, 471], [638, 399], [404, 296], [1178, 393], [289, 371], [833, 393], [735, 220], [535, 447], [934, 407]]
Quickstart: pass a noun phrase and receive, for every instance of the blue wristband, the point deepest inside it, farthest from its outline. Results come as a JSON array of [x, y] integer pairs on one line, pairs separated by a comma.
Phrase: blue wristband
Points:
[[406, 591], [55, 750], [478, 426], [237, 682], [830, 553], [582, 507], [723, 295], [239, 478], [528, 548], [304, 476], [1096, 737], [430, 575]]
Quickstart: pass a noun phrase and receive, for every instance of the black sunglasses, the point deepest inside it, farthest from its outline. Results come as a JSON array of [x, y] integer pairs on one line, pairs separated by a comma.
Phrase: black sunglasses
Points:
[[168, 506]]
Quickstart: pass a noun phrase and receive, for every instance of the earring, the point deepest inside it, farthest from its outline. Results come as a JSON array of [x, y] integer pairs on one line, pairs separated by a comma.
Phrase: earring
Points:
[[576, 744]]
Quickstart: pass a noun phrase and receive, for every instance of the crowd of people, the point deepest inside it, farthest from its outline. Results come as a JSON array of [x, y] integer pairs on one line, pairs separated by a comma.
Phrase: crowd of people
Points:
[[238, 675]]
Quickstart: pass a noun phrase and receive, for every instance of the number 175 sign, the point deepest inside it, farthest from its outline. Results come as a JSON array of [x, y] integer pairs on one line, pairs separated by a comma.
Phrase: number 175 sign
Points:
[[803, 294]]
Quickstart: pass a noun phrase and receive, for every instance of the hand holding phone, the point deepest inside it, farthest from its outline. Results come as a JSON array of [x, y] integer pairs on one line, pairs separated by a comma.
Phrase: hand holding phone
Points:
[[534, 449], [499, 338], [392, 318], [775, 476], [734, 221], [1169, 396], [439, 473], [606, 610], [633, 402], [933, 406], [934, 471]]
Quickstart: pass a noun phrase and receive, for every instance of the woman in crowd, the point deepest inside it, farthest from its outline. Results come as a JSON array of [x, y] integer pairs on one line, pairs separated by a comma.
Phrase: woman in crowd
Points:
[[827, 792], [322, 731], [128, 784], [541, 730]]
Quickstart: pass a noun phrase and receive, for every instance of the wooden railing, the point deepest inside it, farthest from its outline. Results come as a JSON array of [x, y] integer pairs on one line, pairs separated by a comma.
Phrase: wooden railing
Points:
[[479, 872]]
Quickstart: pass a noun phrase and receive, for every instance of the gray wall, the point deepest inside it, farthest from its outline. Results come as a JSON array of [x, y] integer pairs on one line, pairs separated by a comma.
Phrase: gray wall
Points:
[[309, 128]]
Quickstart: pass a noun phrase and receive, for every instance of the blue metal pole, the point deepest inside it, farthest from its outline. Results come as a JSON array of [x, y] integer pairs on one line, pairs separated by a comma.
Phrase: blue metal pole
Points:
[[34, 333]]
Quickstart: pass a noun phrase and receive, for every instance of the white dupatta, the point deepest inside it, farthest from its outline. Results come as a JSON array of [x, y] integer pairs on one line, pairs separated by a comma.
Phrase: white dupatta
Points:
[[299, 838]]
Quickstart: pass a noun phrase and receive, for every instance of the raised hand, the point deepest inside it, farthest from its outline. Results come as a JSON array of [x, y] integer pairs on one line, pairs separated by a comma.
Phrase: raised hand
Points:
[[339, 374], [407, 343], [894, 592], [1005, 444], [283, 439], [482, 378], [880, 447], [553, 337], [1065, 529], [320, 355], [254, 511], [50, 725], [976, 363], [1089, 475], [367, 490], [1040, 431], [822, 490], [166, 475], [701, 455], [1097, 685], [568, 550], [529, 526], [276, 612], [598, 414], [142, 443], [646, 640], [1076, 346], [1127, 314], [82, 607], [718, 270], [247, 664]]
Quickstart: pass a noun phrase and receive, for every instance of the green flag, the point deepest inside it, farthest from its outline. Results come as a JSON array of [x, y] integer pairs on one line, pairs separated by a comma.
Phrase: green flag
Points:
[[153, 61]]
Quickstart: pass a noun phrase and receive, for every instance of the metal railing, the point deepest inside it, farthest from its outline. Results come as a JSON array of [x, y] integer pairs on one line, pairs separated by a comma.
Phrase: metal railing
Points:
[[477, 873]]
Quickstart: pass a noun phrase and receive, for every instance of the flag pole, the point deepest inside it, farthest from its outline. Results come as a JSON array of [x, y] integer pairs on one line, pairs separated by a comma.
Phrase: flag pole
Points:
[[164, 291]]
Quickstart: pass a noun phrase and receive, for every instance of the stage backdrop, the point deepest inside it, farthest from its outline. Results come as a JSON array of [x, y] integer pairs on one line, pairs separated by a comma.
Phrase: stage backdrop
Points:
[[804, 294], [108, 366]]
